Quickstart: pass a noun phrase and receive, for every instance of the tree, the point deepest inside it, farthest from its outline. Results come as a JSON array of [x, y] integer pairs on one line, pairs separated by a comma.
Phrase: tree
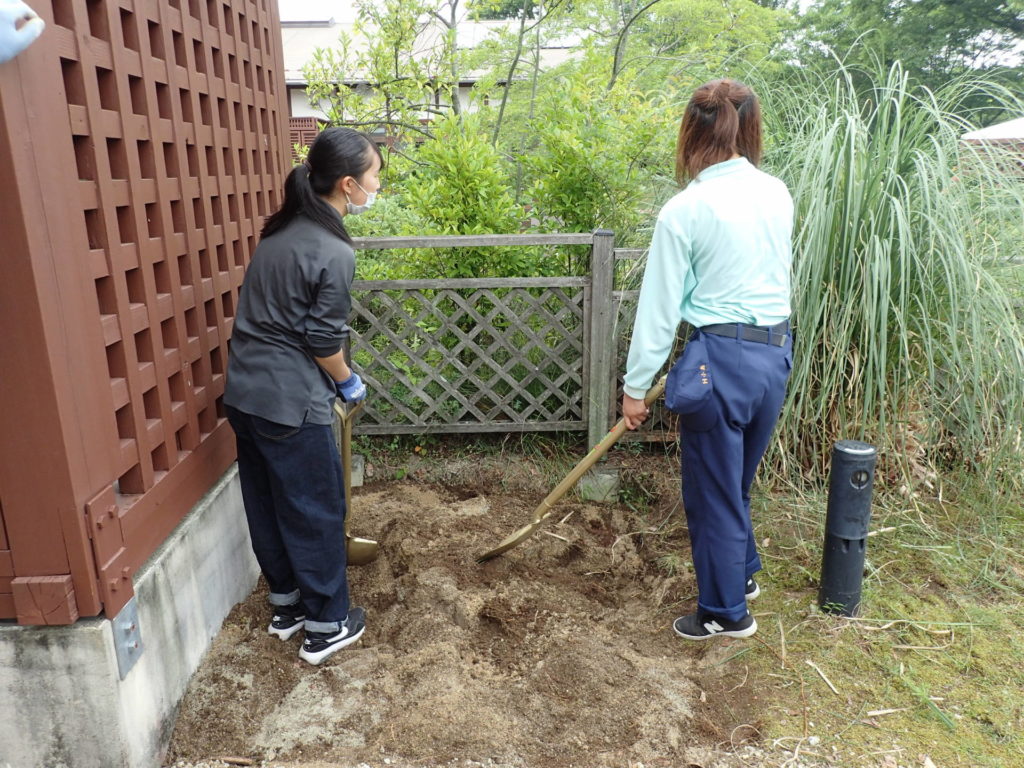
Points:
[[503, 9], [659, 39], [543, 13], [713, 35], [391, 77], [600, 158], [933, 40]]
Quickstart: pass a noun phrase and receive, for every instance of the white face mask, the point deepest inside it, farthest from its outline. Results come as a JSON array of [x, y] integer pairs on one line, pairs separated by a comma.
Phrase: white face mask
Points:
[[354, 209]]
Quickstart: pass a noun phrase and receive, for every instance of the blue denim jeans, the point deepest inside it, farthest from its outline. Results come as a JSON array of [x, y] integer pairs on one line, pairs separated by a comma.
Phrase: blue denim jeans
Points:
[[293, 492]]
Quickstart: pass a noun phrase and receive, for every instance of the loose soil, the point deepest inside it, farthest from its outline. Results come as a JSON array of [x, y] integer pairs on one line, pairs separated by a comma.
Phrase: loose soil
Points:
[[558, 654]]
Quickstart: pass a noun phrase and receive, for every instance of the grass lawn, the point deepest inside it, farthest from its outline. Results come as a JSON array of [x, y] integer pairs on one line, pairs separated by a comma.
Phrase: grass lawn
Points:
[[934, 664]]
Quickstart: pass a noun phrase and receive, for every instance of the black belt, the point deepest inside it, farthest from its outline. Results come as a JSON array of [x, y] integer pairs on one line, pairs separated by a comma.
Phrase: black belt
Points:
[[766, 334]]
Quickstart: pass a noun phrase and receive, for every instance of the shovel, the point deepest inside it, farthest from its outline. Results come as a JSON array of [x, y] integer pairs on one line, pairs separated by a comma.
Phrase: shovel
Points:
[[544, 509], [358, 551]]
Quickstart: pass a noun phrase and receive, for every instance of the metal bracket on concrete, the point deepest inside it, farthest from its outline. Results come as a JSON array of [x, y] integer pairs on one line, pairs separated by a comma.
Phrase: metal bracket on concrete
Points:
[[127, 637]]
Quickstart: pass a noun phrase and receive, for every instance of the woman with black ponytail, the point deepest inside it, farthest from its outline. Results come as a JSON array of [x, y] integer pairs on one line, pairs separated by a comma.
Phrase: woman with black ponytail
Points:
[[720, 260], [286, 366]]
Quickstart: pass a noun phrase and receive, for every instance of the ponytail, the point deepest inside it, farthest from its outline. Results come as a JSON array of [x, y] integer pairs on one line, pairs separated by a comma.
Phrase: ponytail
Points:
[[726, 124], [722, 119], [299, 197], [336, 153]]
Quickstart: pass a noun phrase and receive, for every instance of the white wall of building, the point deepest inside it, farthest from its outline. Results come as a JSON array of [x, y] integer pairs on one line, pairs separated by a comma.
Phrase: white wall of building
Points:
[[300, 106], [312, 24]]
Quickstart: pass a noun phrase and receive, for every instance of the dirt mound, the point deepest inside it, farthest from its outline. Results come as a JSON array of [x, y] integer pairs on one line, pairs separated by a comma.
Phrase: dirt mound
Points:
[[559, 653]]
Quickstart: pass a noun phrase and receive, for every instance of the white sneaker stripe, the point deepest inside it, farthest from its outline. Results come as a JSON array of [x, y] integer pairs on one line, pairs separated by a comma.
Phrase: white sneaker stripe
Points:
[[713, 626]]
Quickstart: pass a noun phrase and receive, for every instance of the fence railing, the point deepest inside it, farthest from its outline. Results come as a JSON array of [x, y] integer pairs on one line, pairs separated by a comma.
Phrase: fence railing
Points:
[[495, 354]]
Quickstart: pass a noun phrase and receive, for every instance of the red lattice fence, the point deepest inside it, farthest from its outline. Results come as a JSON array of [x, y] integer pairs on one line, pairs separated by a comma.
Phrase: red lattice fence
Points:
[[141, 143], [302, 132]]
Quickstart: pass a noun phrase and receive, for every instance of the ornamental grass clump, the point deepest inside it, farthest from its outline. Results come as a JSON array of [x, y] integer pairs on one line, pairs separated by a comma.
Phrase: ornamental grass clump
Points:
[[905, 248]]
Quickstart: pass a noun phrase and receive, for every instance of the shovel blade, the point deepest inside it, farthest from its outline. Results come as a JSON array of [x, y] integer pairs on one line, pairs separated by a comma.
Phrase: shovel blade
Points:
[[511, 541], [360, 551], [543, 510]]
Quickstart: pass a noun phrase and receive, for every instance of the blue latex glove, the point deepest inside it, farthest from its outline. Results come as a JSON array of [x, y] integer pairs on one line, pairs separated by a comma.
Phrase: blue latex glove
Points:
[[352, 389], [12, 39]]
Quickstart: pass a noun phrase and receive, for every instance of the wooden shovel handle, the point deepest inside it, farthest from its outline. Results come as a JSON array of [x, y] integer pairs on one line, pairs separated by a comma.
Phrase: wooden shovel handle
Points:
[[347, 416], [544, 508]]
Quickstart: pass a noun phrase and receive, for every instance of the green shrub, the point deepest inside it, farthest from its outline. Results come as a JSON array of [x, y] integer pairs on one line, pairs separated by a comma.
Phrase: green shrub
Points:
[[600, 160], [461, 186]]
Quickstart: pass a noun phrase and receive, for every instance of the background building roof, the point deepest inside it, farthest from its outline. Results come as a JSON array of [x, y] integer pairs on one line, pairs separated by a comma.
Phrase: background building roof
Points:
[[301, 37], [1010, 131]]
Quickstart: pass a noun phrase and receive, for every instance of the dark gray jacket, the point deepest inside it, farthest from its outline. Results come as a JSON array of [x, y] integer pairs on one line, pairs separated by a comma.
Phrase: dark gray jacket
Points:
[[293, 305]]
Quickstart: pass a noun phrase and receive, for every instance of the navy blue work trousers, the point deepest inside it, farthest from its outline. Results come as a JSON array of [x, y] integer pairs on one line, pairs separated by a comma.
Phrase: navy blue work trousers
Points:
[[293, 491], [719, 462]]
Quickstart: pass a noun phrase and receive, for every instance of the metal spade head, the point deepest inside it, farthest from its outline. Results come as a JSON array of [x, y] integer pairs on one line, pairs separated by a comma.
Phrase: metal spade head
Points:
[[509, 542], [360, 551]]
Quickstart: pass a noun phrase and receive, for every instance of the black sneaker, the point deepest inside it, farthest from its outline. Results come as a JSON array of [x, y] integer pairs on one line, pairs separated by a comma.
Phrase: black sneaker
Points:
[[288, 619], [701, 626], [753, 591], [319, 645]]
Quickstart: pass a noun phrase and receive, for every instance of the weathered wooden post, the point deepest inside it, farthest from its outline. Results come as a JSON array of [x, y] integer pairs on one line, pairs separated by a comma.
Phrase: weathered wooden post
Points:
[[601, 483], [602, 328]]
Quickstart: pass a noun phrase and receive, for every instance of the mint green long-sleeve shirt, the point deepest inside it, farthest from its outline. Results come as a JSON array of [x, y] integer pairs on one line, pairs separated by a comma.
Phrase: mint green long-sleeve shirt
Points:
[[721, 253]]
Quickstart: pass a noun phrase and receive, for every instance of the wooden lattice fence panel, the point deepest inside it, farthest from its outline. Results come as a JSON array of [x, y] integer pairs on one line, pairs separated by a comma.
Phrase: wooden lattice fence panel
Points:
[[173, 115], [477, 355], [172, 108], [302, 132], [490, 355], [662, 423]]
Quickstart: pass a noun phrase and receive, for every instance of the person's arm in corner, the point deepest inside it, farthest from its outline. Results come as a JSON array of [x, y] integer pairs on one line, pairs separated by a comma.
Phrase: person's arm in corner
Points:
[[19, 27], [658, 313]]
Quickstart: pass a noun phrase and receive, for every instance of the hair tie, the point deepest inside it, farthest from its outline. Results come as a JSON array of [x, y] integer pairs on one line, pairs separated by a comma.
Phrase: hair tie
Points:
[[721, 94]]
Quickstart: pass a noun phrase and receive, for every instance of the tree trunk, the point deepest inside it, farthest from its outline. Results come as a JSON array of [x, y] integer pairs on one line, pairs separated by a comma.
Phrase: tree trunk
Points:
[[511, 74], [620, 44]]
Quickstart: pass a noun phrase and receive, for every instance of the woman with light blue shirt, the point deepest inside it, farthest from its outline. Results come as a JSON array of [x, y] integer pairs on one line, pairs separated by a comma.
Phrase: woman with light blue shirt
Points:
[[720, 260]]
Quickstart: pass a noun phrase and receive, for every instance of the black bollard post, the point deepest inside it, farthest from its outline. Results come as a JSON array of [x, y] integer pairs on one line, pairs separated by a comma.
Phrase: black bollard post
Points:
[[846, 526]]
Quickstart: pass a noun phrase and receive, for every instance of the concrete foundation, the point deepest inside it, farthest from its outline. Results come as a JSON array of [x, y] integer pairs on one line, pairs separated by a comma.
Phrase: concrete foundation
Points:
[[358, 469], [600, 484], [63, 703]]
